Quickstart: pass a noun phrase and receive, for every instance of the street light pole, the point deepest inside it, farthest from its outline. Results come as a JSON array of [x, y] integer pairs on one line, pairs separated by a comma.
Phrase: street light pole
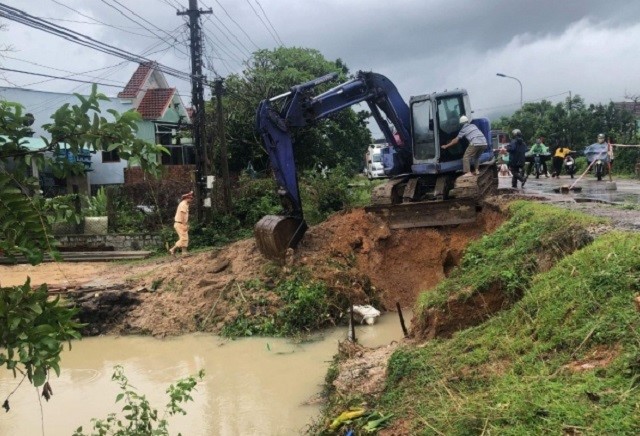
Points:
[[514, 78]]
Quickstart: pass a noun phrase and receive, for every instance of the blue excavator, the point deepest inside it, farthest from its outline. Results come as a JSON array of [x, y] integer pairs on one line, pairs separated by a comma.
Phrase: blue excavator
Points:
[[425, 188]]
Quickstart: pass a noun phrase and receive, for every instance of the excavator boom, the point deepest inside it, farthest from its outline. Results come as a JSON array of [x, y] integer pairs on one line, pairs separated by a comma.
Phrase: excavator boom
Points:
[[422, 175]]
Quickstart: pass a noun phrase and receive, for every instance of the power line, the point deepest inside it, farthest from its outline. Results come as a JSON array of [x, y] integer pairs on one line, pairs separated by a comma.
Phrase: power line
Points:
[[175, 5], [239, 47], [81, 39], [237, 25], [59, 77], [55, 101], [275, 36], [143, 19], [93, 19], [211, 36], [122, 28], [269, 21], [218, 56], [58, 69]]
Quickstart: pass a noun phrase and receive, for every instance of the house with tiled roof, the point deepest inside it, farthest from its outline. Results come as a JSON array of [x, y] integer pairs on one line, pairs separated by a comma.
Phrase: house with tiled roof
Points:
[[161, 108]]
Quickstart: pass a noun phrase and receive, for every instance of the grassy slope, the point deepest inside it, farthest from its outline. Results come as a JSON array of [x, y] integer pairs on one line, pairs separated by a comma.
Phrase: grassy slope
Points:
[[509, 375]]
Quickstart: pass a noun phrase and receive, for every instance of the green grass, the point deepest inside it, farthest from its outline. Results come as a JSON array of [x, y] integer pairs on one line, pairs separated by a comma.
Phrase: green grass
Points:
[[571, 302], [509, 375], [304, 306], [535, 235]]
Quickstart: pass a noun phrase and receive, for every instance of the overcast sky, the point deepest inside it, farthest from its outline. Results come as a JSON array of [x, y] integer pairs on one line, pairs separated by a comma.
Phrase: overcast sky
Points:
[[588, 47]]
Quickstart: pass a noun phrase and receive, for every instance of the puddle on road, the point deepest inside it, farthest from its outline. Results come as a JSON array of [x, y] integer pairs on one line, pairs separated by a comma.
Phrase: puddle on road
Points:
[[627, 190], [252, 386]]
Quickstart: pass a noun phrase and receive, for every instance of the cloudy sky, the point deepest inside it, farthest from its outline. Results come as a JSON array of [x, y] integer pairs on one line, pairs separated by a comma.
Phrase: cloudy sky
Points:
[[588, 47]]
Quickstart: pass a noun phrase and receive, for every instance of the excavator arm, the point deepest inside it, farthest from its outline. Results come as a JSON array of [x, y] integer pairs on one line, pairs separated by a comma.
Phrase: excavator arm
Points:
[[298, 108]]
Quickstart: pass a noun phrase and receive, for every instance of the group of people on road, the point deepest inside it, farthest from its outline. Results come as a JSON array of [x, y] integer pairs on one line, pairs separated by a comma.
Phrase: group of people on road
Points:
[[514, 157]]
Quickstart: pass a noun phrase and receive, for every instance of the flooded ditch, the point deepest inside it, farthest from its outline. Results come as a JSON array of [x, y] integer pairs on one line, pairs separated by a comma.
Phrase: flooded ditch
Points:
[[254, 385], [258, 386]]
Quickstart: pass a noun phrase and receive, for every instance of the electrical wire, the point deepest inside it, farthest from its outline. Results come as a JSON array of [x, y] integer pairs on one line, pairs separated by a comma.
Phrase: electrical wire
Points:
[[143, 19], [72, 73], [211, 36], [122, 28], [269, 21], [175, 5], [58, 77], [239, 47], [264, 24], [22, 17], [56, 101], [237, 25]]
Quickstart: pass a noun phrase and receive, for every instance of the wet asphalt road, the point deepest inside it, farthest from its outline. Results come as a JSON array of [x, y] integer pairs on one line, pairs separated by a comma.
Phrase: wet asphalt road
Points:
[[627, 190]]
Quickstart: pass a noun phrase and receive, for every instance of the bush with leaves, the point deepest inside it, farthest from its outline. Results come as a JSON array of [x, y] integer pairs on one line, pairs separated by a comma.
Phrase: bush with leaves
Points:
[[255, 198], [96, 205], [140, 418], [33, 329], [324, 192]]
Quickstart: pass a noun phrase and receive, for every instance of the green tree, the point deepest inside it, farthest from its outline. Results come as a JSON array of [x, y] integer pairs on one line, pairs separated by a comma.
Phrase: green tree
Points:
[[341, 139], [32, 326]]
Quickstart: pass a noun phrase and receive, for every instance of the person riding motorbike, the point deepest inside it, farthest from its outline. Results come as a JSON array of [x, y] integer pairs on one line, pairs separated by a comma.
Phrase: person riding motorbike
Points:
[[542, 152], [598, 154], [569, 164]]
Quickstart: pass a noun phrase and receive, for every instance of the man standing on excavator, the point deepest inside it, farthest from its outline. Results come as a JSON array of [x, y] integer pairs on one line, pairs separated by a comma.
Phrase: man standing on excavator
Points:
[[477, 143]]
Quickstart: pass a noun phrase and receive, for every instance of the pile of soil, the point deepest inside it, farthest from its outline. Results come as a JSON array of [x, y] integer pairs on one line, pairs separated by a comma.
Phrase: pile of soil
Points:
[[353, 252]]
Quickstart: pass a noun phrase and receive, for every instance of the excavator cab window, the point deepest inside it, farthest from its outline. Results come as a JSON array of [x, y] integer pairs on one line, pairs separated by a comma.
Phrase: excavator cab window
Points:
[[424, 143], [450, 108]]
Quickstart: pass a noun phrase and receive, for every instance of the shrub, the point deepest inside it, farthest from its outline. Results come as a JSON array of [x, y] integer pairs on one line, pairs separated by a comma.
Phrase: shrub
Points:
[[324, 192]]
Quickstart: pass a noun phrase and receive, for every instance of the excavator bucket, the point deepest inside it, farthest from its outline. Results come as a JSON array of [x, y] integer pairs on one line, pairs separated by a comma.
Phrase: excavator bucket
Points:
[[275, 234], [426, 214]]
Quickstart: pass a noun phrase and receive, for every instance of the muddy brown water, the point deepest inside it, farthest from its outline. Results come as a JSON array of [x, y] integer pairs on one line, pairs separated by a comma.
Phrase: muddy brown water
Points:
[[252, 386]]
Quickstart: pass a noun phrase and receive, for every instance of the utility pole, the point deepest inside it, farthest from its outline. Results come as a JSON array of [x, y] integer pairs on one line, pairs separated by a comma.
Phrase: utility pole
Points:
[[570, 145], [226, 184], [197, 100]]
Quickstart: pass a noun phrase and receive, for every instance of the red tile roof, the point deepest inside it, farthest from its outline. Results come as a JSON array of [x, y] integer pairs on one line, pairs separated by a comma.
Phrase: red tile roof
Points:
[[137, 80], [155, 102]]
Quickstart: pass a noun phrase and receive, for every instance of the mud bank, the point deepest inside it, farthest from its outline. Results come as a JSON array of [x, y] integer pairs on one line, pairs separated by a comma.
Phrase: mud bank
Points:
[[353, 253]]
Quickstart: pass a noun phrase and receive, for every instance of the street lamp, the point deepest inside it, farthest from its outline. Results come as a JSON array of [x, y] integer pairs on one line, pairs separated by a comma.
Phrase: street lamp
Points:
[[514, 78]]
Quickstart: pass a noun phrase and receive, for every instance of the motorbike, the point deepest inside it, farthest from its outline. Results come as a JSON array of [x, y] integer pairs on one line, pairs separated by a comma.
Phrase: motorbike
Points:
[[537, 164], [598, 169], [569, 164]]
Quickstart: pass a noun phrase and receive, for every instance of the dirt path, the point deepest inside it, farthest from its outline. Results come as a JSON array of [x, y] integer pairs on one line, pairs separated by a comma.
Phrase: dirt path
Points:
[[53, 273]]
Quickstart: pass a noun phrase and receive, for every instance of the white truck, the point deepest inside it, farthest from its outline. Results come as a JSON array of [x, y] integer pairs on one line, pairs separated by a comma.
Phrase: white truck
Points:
[[373, 159]]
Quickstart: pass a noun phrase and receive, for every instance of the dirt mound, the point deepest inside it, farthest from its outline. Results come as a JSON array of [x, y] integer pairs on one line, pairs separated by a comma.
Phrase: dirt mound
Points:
[[353, 252], [399, 264]]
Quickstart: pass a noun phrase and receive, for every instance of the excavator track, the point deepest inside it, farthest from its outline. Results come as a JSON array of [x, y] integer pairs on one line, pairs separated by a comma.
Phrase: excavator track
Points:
[[426, 213], [390, 201]]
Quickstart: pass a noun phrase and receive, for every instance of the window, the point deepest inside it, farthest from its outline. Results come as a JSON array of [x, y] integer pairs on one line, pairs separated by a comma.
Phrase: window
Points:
[[110, 156], [179, 155], [423, 135], [164, 134]]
